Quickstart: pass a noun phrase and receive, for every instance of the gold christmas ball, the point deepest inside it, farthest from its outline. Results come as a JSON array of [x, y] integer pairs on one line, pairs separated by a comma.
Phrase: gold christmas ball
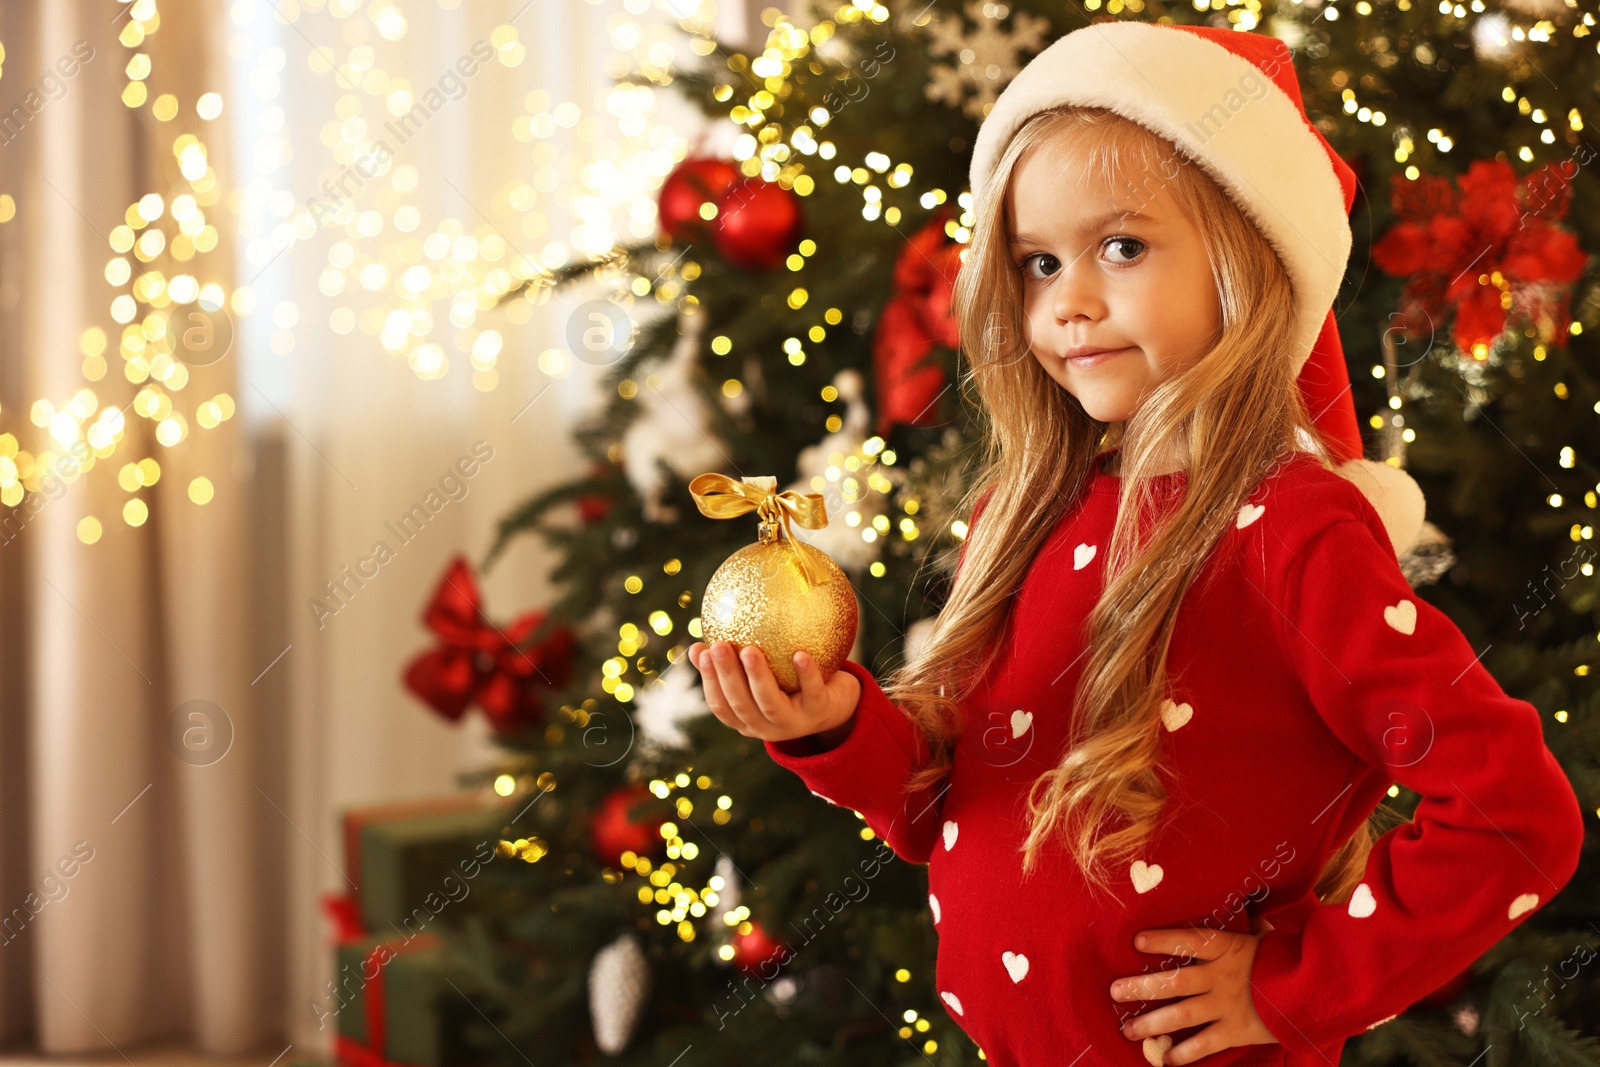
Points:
[[760, 596]]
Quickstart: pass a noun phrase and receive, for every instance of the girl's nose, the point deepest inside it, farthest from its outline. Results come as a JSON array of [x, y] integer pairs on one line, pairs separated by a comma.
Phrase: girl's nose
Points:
[[1076, 294]]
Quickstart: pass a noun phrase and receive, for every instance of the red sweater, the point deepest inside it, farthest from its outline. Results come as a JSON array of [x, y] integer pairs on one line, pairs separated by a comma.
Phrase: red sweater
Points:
[[1307, 677]]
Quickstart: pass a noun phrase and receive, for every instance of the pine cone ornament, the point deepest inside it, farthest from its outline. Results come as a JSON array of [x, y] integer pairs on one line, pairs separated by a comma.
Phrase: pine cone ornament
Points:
[[619, 986]]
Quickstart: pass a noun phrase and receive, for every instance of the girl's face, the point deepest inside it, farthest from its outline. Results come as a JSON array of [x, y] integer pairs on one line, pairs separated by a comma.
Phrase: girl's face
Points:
[[1101, 270]]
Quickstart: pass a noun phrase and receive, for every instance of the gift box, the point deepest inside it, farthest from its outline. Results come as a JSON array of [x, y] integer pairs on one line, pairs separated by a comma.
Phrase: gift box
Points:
[[411, 863], [416, 860], [397, 1007]]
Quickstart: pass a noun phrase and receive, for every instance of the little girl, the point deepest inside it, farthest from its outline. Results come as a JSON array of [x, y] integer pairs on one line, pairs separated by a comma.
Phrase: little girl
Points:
[[1179, 666]]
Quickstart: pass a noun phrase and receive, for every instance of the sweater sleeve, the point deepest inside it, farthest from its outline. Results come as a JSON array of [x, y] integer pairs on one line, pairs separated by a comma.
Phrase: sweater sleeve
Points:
[[867, 771], [1497, 831]]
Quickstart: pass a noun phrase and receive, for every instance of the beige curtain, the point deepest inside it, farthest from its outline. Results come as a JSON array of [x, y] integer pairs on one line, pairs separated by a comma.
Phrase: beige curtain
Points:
[[179, 729], [135, 888]]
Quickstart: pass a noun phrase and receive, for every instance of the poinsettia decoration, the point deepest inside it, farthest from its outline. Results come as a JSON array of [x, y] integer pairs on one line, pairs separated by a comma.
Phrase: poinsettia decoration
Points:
[[479, 662], [914, 321], [1485, 252]]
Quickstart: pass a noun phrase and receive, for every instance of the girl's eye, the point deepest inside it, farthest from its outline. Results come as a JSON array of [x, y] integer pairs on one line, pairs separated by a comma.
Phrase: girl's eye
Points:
[[1123, 242], [1022, 264], [1126, 241]]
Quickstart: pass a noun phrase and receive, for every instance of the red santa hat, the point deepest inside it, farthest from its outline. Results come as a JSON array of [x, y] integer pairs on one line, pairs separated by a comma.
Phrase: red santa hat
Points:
[[1229, 100]]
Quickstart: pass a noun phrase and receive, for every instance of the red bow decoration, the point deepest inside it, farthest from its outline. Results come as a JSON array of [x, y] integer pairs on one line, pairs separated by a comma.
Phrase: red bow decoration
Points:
[[1485, 250], [480, 663], [345, 914], [916, 318]]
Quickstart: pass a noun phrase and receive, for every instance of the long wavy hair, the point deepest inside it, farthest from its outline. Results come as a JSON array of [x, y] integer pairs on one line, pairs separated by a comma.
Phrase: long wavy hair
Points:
[[1232, 416]]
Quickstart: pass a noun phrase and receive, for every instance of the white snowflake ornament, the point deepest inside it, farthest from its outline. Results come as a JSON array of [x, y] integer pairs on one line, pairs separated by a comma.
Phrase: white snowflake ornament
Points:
[[666, 701], [983, 59], [673, 425]]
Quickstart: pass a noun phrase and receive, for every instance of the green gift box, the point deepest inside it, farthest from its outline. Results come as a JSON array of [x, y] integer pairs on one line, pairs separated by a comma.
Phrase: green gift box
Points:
[[397, 1007], [417, 861]]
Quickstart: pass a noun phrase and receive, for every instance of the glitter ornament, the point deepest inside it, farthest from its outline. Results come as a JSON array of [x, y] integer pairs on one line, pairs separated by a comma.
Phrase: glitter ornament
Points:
[[779, 594]]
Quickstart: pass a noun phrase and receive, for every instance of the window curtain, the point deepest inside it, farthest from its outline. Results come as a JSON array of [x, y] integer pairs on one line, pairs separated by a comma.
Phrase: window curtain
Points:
[[185, 706]]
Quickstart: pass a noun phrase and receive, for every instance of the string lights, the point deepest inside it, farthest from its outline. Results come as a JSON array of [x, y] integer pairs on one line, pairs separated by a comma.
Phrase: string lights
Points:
[[166, 314]]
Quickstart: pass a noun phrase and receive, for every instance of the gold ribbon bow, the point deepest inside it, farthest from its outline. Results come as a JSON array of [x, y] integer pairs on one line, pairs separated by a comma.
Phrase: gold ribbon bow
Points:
[[720, 497]]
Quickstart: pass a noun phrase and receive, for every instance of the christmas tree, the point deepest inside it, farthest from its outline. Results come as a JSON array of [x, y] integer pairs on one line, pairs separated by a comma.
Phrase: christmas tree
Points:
[[667, 894]]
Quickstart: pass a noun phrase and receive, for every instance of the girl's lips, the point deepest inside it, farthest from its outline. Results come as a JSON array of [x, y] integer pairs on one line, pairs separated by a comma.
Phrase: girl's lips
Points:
[[1096, 359]]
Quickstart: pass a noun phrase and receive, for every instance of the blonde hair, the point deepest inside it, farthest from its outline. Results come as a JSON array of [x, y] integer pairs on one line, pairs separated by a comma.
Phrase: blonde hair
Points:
[[1233, 415]]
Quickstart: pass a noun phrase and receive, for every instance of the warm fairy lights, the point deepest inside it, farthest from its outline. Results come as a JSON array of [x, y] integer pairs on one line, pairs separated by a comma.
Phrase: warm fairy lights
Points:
[[526, 849], [418, 286], [676, 902], [421, 285], [163, 306]]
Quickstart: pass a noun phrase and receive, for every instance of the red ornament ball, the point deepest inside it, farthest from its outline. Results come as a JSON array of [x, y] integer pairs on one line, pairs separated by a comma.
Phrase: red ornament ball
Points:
[[755, 951], [592, 507], [613, 830], [692, 183], [758, 224]]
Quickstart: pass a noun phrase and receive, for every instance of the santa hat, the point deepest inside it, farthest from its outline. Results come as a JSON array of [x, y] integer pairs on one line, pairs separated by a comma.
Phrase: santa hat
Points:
[[1229, 100]]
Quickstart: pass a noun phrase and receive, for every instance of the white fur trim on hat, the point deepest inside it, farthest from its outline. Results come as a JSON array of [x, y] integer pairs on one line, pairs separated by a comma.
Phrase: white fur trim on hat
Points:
[[1393, 494], [1217, 107]]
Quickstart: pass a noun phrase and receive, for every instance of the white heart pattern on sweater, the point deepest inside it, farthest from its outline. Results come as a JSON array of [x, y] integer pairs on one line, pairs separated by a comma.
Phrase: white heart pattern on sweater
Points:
[[1174, 715], [933, 906], [952, 1000], [1248, 514], [1082, 555], [1016, 965], [1402, 616], [1362, 902], [1146, 876], [950, 831], [1522, 905], [1155, 1049], [1020, 721]]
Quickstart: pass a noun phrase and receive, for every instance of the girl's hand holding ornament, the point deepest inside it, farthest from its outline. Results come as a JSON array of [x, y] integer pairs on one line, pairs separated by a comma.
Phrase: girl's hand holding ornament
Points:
[[740, 690]]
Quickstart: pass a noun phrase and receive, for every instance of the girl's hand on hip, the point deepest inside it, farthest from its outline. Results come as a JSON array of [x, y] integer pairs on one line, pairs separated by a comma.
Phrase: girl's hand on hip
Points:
[[1217, 991], [741, 690]]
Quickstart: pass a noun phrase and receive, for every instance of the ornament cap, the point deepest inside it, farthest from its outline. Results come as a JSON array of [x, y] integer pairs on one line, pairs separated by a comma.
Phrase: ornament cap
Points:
[[720, 497]]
